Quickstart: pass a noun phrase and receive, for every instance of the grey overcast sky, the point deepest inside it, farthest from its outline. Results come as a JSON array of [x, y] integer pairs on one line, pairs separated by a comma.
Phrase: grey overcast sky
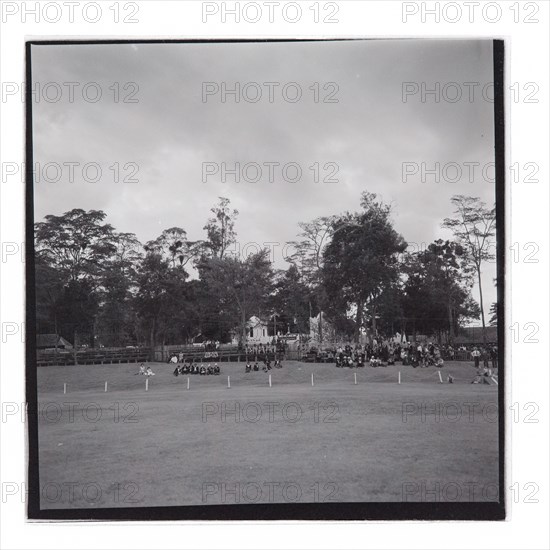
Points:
[[169, 131]]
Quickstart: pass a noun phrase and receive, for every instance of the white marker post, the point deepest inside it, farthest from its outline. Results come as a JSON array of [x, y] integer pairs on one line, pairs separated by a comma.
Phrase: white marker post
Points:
[[228, 381], [312, 382], [105, 386], [440, 379], [355, 378], [270, 380], [64, 388], [188, 382], [399, 377], [147, 384]]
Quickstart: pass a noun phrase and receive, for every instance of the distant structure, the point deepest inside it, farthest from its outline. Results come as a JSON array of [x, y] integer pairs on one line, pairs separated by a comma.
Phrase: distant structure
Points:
[[51, 342], [474, 335], [256, 332]]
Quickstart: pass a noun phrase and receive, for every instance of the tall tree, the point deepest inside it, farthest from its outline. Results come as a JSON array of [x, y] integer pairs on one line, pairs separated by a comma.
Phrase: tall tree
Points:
[[77, 243], [79, 247], [220, 229], [447, 265], [115, 323], [362, 259], [308, 251], [172, 244], [474, 227], [161, 299], [291, 300], [242, 287], [437, 289], [308, 258]]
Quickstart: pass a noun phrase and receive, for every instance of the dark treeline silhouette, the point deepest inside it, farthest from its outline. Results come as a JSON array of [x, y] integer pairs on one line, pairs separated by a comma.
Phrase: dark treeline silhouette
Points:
[[98, 287]]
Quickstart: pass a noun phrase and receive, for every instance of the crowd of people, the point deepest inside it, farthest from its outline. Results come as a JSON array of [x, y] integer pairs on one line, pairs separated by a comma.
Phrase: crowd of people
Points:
[[420, 354], [255, 350], [386, 352]]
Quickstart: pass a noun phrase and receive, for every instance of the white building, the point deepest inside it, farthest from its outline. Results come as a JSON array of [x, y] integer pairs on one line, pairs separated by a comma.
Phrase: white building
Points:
[[256, 331]]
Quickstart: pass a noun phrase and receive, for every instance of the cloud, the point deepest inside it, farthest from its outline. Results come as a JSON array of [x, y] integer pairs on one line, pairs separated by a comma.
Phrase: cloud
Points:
[[170, 131]]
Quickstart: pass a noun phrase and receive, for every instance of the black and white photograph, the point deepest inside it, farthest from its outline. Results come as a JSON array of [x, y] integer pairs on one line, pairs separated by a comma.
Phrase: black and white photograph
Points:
[[265, 279]]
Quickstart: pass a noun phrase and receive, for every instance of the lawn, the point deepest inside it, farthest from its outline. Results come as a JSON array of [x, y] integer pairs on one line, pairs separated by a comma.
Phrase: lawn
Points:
[[376, 440]]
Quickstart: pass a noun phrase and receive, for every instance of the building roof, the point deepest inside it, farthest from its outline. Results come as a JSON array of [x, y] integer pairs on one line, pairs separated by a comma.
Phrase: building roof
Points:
[[256, 321], [51, 341]]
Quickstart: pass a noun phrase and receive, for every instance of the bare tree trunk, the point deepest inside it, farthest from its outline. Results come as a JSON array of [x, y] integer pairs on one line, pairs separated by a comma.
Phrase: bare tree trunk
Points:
[[358, 321], [56, 333], [152, 334], [481, 304], [451, 324], [243, 328]]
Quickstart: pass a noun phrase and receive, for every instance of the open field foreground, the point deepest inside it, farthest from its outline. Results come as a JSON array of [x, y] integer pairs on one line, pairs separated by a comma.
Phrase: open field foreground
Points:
[[374, 441]]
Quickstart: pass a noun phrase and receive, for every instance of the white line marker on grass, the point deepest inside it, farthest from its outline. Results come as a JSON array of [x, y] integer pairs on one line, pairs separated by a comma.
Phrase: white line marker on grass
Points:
[[270, 380], [64, 387], [399, 377], [105, 386], [229, 381], [355, 378], [147, 384], [188, 382], [312, 381]]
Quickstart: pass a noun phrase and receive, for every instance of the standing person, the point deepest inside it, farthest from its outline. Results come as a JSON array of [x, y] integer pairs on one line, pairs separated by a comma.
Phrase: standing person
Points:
[[485, 357], [476, 355]]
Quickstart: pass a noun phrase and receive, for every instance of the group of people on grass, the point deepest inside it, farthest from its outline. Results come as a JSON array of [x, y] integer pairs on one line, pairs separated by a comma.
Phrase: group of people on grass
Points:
[[266, 366], [145, 371], [202, 370]]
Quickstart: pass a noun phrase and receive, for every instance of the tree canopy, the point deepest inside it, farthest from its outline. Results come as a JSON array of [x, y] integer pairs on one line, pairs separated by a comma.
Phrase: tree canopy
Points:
[[102, 287]]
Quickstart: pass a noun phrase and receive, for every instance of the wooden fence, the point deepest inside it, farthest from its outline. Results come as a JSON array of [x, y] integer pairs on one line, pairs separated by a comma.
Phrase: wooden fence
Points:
[[92, 356], [100, 356]]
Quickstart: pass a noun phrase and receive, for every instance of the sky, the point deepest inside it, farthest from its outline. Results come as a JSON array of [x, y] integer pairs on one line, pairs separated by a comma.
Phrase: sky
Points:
[[154, 119]]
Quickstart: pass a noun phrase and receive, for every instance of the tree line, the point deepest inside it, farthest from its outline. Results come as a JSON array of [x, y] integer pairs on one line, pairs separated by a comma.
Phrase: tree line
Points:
[[97, 286]]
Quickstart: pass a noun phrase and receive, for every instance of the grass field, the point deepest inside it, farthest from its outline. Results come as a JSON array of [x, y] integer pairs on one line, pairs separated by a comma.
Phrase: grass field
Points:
[[376, 440]]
